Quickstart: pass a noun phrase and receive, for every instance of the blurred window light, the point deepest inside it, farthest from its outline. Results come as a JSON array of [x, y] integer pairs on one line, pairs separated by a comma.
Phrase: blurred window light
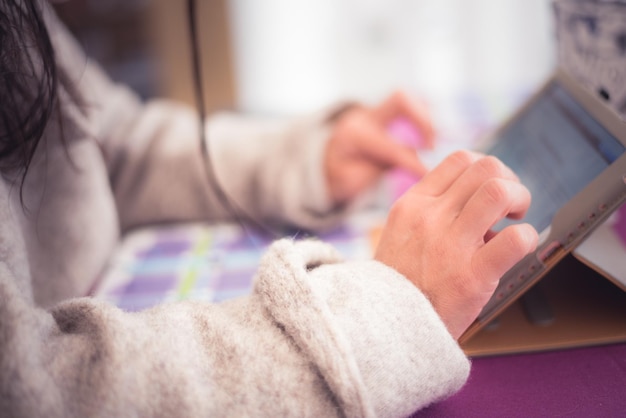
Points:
[[295, 56]]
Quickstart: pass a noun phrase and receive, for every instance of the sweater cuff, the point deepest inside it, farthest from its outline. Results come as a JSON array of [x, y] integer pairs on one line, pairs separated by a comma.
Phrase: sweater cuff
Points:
[[374, 337], [321, 211], [405, 354]]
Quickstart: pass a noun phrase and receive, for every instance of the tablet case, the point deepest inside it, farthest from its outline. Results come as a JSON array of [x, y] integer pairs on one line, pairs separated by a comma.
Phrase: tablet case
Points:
[[583, 309], [582, 301]]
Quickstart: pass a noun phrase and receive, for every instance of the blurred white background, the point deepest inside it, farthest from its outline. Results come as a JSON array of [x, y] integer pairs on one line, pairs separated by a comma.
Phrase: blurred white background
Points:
[[468, 58]]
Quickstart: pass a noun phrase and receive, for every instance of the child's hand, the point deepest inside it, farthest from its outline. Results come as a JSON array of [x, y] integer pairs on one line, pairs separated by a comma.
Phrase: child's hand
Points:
[[361, 148]]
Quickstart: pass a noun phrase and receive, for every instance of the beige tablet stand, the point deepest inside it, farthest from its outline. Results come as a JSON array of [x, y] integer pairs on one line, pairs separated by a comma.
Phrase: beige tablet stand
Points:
[[581, 302]]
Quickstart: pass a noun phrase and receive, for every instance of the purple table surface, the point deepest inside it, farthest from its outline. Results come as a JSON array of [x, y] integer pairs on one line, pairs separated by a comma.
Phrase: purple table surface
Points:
[[584, 382]]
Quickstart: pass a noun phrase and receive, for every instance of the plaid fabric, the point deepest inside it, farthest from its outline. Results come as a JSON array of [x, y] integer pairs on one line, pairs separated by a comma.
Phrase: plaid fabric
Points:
[[206, 262]]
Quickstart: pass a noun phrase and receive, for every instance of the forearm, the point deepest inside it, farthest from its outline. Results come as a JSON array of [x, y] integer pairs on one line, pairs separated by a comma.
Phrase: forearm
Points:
[[269, 170], [317, 337], [379, 339]]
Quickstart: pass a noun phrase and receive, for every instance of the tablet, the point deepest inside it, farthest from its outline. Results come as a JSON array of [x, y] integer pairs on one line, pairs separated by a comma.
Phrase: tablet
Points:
[[568, 148]]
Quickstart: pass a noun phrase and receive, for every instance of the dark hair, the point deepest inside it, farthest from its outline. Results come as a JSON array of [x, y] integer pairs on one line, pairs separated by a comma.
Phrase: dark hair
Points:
[[28, 83], [29, 86]]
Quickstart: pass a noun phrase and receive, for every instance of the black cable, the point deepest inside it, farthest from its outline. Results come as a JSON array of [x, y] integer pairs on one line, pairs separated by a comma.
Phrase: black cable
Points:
[[224, 199]]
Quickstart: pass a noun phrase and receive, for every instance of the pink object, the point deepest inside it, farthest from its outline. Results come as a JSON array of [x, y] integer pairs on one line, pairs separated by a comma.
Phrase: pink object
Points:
[[406, 133]]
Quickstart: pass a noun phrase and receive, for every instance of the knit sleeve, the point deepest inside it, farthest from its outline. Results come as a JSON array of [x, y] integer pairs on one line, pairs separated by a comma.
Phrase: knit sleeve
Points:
[[317, 337], [375, 338], [271, 170]]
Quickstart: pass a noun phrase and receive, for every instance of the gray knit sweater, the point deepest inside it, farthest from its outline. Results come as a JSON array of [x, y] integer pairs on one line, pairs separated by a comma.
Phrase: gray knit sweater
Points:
[[317, 337]]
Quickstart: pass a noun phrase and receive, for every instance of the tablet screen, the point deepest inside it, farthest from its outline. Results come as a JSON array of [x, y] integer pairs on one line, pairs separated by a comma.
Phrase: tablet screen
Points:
[[556, 148]]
